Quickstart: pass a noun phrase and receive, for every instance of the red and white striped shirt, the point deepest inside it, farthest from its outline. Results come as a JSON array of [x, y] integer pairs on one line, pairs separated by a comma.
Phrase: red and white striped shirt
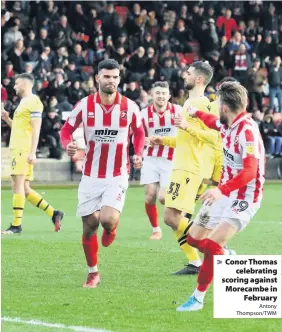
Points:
[[106, 133], [244, 157], [160, 124]]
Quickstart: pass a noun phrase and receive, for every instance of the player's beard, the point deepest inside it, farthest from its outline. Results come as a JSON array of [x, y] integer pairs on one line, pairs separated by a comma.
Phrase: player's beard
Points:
[[109, 90], [160, 103], [223, 119], [189, 86]]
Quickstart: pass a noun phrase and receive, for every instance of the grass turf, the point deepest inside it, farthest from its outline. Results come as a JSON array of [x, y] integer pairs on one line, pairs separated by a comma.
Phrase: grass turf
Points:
[[43, 271]]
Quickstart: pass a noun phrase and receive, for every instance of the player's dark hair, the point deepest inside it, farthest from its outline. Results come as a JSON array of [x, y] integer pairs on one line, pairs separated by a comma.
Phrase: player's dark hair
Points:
[[108, 64], [204, 69], [234, 95], [26, 76], [160, 84]]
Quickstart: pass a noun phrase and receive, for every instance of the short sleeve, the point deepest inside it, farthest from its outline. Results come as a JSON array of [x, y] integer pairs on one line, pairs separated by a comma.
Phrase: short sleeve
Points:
[[36, 108]]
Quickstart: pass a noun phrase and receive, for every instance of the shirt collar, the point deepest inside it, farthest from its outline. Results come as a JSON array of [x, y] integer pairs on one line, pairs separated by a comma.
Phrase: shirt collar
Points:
[[116, 102], [242, 116], [167, 108]]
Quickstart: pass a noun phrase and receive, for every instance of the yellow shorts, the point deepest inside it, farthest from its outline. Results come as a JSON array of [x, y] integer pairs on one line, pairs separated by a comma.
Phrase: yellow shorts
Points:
[[19, 164], [218, 166], [182, 191]]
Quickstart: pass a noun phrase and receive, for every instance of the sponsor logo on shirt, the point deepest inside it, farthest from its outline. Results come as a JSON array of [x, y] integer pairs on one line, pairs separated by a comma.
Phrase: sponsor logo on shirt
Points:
[[105, 135], [228, 155]]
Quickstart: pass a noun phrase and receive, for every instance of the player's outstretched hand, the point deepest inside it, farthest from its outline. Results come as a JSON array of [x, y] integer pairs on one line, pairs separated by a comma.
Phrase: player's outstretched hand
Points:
[[137, 161], [156, 140], [71, 149], [31, 158], [210, 196], [181, 122]]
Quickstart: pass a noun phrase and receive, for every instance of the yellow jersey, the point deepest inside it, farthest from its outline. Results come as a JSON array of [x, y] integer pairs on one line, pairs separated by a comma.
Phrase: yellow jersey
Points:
[[21, 134], [189, 150]]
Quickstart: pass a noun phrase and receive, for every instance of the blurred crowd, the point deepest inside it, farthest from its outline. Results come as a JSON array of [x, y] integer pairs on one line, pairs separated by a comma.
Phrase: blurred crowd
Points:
[[60, 43]]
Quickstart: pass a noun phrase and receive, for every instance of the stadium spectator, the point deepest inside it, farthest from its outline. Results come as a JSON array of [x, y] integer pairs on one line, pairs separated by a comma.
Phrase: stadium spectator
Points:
[[241, 63], [12, 36], [75, 93], [143, 100], [270, 135], [275, 81], [256, 81], [226, 24], [132, 92], [69, 39], [51, 125]]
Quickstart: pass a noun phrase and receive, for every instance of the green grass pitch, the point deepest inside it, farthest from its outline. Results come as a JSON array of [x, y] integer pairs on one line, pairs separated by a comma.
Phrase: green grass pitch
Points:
[[43, 271]]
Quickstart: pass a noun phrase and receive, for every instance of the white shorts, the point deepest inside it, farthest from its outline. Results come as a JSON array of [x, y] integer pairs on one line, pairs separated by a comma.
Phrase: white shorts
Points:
[[156, 169], [94, 193], [236, 212]]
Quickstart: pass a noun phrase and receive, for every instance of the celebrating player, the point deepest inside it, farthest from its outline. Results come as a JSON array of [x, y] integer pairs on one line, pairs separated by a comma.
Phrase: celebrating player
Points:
[[107, 118], [186, 177], [238, 197], [158, 119], [25, 129]]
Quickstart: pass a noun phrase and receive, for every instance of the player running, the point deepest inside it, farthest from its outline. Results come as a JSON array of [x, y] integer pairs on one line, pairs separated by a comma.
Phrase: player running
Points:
[[239, 195], [158, 119], [25, 130], [187, 174], [107, 118]]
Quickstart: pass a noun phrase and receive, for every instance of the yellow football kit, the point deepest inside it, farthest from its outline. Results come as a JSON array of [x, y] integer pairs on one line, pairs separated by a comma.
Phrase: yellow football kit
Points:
[[187, 176], [21, 135], [215, 158]]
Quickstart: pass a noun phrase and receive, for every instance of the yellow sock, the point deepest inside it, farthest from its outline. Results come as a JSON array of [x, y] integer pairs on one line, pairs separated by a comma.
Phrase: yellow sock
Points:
[[201, 190], [35, 199], [18, 207], [181, 235]]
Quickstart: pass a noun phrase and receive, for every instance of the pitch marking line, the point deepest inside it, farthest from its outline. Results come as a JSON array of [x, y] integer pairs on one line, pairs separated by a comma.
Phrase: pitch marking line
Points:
[[50, 325]]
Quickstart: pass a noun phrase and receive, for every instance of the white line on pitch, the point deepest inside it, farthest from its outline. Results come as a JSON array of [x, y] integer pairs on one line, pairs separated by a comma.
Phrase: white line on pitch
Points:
[[50, 325]]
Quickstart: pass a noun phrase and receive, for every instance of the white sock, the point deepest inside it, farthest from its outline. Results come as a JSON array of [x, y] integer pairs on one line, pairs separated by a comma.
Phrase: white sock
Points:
[[157, 229], [199, 295], [93, 269], [197, 263]]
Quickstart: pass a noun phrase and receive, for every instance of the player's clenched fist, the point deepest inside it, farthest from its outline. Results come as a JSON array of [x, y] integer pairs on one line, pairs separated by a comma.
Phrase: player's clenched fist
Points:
[[71, 149], [180, 122], [156, 140], [4, 115], [137, 161]]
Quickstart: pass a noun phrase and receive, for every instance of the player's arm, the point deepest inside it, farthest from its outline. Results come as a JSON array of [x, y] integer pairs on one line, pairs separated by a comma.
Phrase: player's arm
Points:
[[210, 120], [169, 141], [69, 128], [206, 136], [250, 163], [138, 137]]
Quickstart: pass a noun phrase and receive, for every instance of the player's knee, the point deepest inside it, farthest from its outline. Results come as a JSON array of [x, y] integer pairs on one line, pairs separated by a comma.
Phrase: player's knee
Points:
[[150, 198], [161, 199], [170, 218], [109, 223], [27, 188], [90, 225]]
